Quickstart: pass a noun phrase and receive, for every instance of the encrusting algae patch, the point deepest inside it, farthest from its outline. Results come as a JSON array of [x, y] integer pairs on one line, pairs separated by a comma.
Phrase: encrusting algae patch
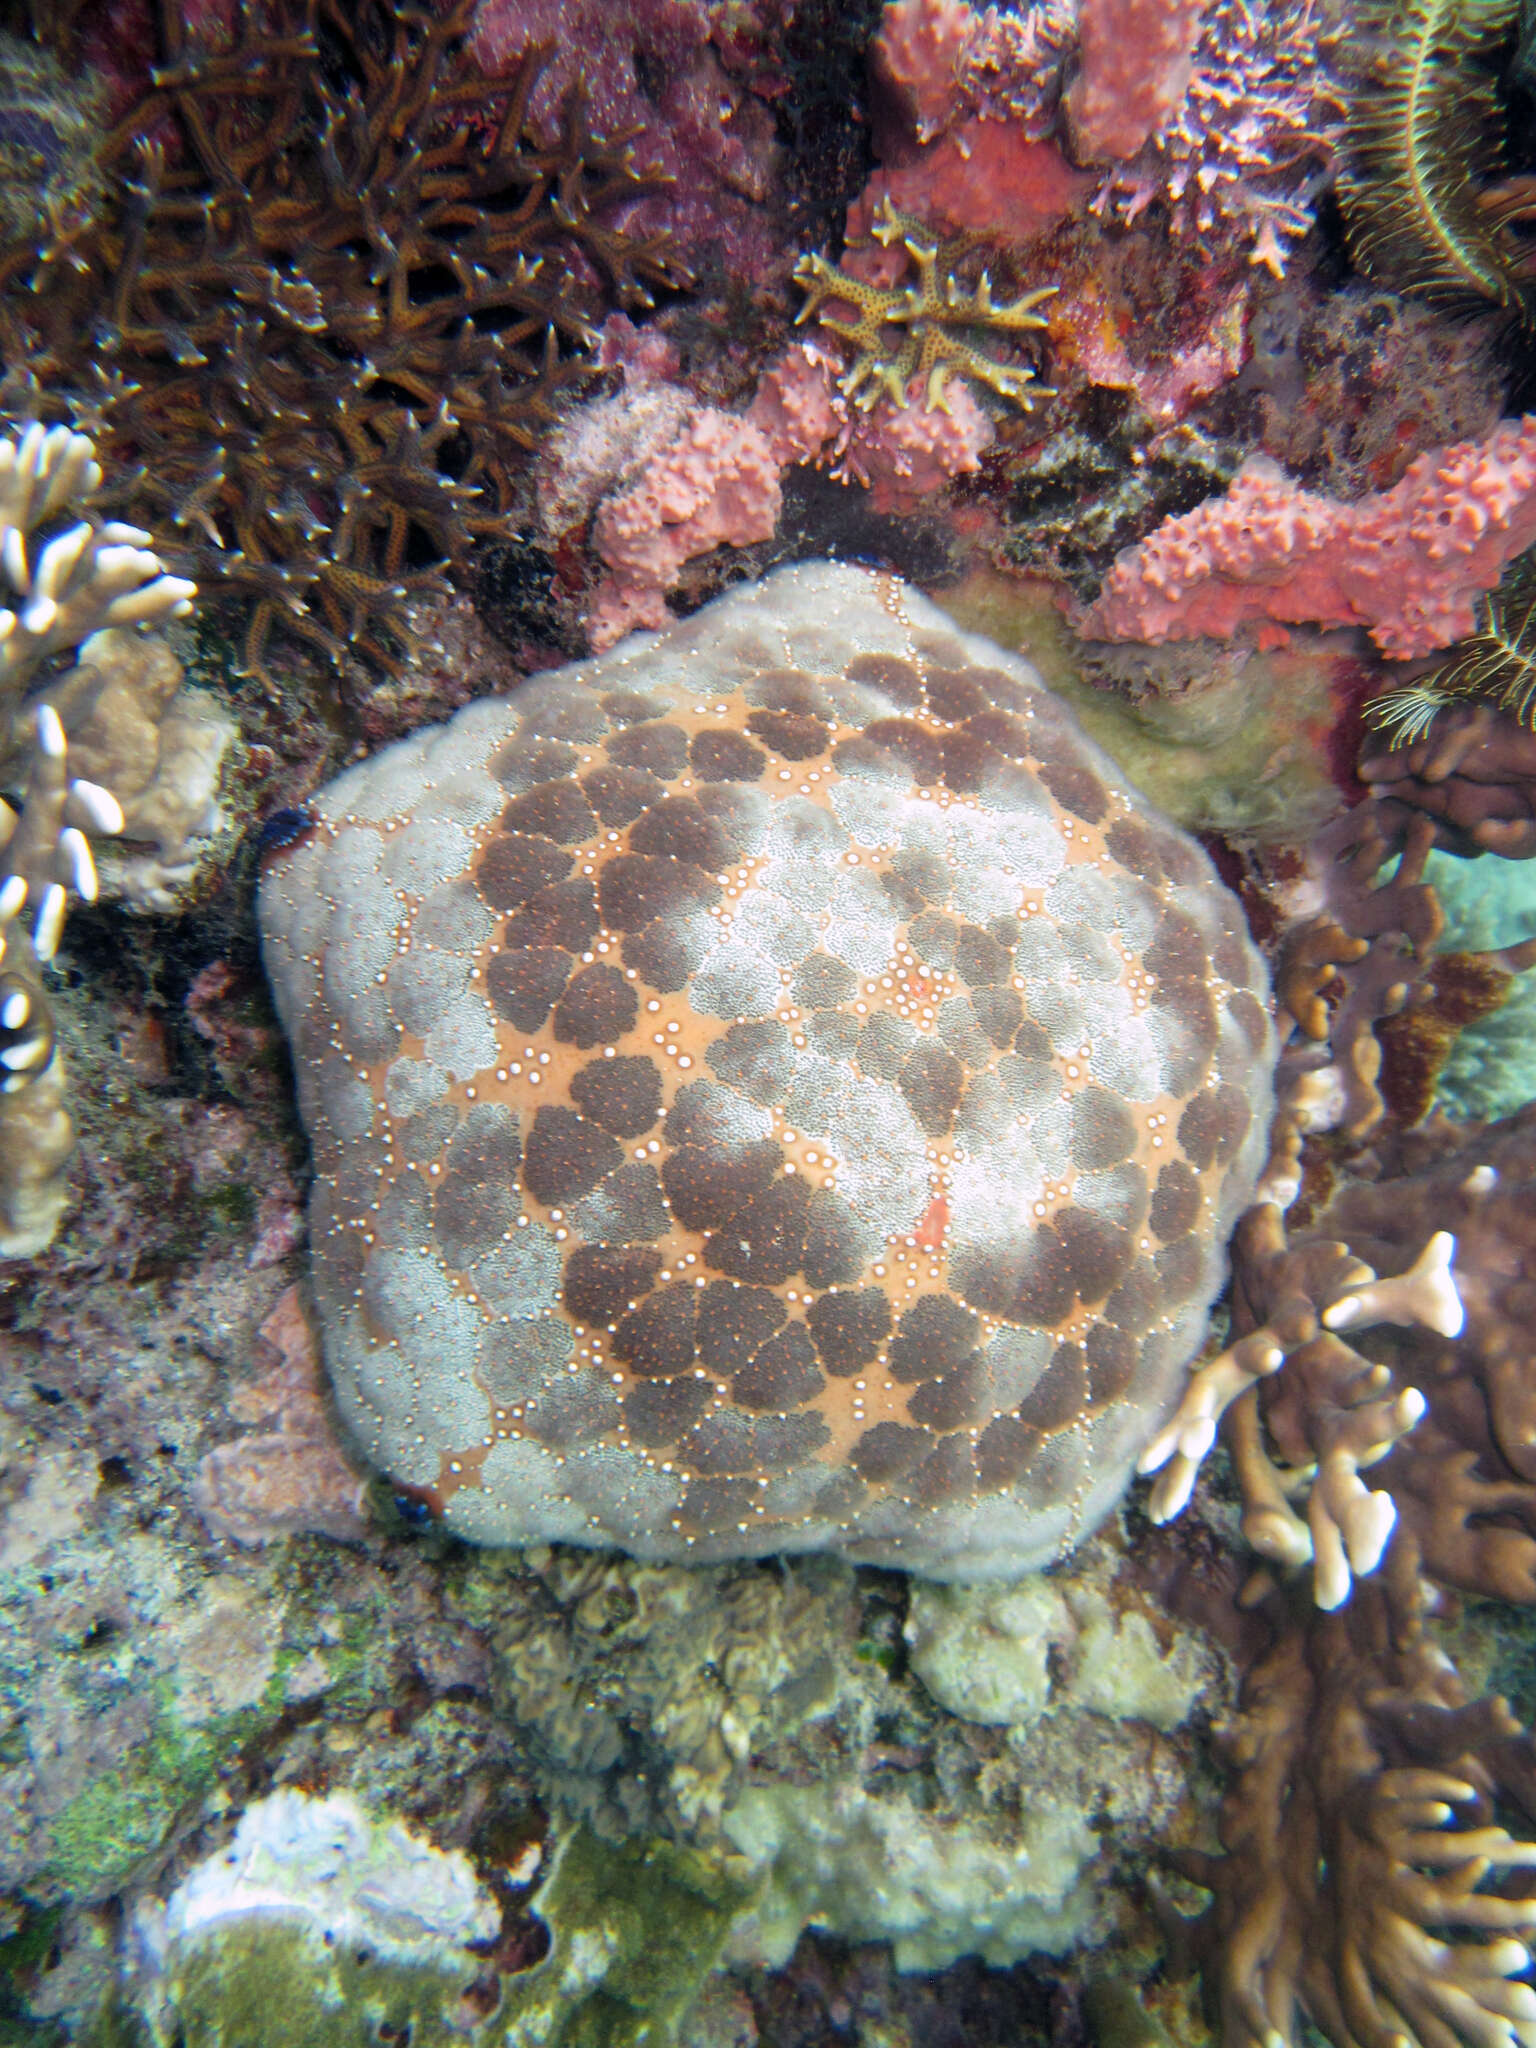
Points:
[[774, 1088]]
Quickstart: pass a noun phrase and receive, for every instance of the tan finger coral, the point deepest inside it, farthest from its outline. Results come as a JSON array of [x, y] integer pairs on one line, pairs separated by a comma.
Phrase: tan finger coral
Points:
[[65, 578]]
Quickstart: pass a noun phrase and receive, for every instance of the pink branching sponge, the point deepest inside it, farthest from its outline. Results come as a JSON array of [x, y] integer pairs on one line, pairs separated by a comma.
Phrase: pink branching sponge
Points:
[[716, 481], [1408, 564]]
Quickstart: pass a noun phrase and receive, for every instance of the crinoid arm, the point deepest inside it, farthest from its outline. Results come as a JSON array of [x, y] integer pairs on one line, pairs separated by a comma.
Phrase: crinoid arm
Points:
[[1422, 147]]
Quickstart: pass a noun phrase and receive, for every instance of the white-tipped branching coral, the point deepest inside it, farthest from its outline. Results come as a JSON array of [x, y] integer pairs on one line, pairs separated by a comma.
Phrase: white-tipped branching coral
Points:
[[65, 576]]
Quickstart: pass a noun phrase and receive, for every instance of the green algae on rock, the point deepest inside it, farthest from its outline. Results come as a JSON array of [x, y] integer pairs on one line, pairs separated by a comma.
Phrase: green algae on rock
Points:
[[774, 1088]]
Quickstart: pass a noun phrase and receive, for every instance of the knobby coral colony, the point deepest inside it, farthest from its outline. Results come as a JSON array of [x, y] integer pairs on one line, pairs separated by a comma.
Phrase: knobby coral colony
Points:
[[1421, 187], [921, 332], [332, 304], [65, 578]]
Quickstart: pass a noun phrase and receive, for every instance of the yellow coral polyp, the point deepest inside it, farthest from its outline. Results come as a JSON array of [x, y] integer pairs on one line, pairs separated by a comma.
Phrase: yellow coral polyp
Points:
[[933, 315]]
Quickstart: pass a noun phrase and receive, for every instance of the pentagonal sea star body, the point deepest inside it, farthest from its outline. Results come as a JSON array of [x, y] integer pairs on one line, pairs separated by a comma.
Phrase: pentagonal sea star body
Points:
[[776, 1087]]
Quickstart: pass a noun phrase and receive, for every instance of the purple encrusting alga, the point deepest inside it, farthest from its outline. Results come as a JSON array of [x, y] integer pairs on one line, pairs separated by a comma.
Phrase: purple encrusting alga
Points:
[[774, 1088]]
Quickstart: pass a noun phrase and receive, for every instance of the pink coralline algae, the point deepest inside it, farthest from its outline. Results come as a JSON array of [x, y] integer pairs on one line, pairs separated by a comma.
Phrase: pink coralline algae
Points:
[[290, 1478], [1221, 116], [706, 129], [1408, 564], [944, 61], [974, 99], [716, 484], [1135, 61]]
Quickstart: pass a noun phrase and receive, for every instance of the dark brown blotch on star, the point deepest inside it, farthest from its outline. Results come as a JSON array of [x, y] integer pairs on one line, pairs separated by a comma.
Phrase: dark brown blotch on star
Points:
[[565, 915], [659, 749], [553, 810], [765, 1240], [603, 1280], [619, 795], [525, 986], [656, 1339], [678, 829], [795, 736], [848, 1327], [725, 757], [634, 888], [598, 1006], [933, 1337], [623, 1094], [514, 866], [782, 1375], [733, 1321], [708, 1186], [566, 1157]]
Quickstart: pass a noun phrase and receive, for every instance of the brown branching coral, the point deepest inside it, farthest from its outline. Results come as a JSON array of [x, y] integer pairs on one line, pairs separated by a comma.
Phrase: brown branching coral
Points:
[[932, 321], [1360, 958], [1327, 1413], [332, 304], [1473, 775], [1370, 1879], [1465, 1480]]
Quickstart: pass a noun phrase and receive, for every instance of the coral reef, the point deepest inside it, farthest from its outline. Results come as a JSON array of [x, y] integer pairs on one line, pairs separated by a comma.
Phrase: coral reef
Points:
[[1369, 1879], [670, 480], [1134, 67], [774, 1084], [1498, 663], [50, 129], [330, 304], [1487, 1072], [946, 63], [69, 580], [1472, 774], [290, 1478], [680, 81], [800, 1201]]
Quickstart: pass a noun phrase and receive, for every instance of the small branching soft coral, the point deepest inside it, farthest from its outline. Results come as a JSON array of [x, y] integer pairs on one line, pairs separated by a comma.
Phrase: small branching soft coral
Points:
[[331, 303], [919, 332]]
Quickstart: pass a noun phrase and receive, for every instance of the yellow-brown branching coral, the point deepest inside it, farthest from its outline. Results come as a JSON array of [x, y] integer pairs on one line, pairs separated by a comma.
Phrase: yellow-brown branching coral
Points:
[[1472, 773], [1465, 1480], [64, 578], [331, 304], [1378, 1868], [922, 331], [1365, 956], [1378, 1874]]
